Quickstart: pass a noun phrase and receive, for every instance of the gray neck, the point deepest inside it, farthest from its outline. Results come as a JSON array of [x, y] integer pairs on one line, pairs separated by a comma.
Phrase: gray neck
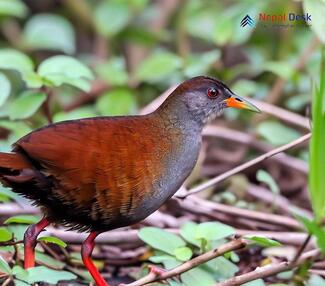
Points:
[[175, 113]]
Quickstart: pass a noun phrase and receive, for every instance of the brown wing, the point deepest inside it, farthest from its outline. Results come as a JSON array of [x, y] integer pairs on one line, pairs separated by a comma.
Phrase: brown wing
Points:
[[112, 161]]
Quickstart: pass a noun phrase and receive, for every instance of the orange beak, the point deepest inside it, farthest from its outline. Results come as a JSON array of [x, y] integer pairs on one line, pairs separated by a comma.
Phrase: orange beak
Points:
[[241, 103]]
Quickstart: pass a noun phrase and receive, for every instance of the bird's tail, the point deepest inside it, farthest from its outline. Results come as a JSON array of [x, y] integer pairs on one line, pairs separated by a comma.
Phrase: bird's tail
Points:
[[12, 162]]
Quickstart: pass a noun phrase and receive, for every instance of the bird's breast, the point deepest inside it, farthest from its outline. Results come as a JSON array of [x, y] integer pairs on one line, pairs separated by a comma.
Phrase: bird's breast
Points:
[[175, 166]]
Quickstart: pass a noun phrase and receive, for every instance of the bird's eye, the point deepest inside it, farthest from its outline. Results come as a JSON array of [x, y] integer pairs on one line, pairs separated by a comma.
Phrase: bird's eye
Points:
[[212, 92]]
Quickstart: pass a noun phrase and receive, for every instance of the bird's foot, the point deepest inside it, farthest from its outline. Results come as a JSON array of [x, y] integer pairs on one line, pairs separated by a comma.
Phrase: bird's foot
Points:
[[156, 270]]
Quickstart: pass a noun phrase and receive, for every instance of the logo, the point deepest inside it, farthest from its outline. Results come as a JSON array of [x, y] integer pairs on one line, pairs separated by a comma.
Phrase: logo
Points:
[[247, 20], [284, 20]]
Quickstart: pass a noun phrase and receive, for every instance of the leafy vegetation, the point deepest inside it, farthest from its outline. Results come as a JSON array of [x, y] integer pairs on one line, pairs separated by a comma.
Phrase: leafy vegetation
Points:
[[62, 60]]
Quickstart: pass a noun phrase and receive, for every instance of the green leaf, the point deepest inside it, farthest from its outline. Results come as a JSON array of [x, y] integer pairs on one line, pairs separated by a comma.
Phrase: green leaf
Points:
[[60, 70], [297, 102], [8, 192], [316, 147], [160, 239], [81, 112], [119, 101], [18, 230], [15, 60], [113, 71], [39, 30], [213, 231], [49, 261], [263, 241], [197, 276], [51, 239], [188, 232], [15, 8], [26, 104], [316, 280], [5, 234], [18, 128], [183, 253], [171, 263], [258, 282], [223, 268], [223, 30], [201, 63], [316, 8], [22, 219], [245, 87], [158, 67], [20, 283], [277, 133], [264, 177], [161, 258], [282, 69], [201, 21], [4, 266], [315, 229], [21, 272], [44, 274], [111, 17], [5, 88]]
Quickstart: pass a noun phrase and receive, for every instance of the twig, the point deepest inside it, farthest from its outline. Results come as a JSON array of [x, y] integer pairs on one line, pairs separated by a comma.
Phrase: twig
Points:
[[8, 280], [244, 166], [269, 270], [209, 206], [46, 105], [301, 249], [98, 87], [152, 277], [248, 139], [283, 114], [8, 243], [280, 201]]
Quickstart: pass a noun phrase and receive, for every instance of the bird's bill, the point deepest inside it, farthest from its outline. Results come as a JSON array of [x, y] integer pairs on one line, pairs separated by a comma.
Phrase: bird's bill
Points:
[[241, 103]]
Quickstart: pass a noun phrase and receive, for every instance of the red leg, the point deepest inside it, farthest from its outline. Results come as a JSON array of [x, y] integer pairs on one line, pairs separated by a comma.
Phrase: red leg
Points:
[[86, 251], [30, 240]]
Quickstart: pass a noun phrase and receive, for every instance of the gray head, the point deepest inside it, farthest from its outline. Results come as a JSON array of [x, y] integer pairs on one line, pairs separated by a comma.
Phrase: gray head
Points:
[[204, 98]]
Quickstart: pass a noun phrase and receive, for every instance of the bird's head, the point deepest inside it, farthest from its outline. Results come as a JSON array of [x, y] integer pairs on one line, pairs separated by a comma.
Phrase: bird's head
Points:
[[205, 98]]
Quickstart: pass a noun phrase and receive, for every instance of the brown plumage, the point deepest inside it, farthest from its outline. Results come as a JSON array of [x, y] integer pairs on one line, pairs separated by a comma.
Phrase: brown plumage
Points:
[[103, 173], [89, 168]]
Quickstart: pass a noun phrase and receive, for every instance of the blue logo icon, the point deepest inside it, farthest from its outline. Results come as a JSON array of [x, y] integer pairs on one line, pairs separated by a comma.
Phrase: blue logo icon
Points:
[[247, 20]]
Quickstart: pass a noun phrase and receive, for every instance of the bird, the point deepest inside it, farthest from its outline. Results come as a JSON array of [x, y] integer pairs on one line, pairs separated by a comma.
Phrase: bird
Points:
[[102, 173]]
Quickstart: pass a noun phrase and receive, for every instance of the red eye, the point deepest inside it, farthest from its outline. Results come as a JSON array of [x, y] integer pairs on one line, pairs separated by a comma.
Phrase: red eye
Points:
[[212, 92]]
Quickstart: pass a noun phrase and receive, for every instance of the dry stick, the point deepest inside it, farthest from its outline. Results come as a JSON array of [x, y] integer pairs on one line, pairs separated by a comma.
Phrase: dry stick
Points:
[[283, 114], [194, 203], [152, 277], [248, 139], [279, 201], [269, 270], [8, 243], [246, 165], [301, 249]]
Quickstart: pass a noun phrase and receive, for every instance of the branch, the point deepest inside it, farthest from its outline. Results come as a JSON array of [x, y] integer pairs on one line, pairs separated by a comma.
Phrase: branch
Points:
[[244, 166], [9, 243], [283, 114], [268, 270], [249, 139], [201, 206], [152, 277]]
